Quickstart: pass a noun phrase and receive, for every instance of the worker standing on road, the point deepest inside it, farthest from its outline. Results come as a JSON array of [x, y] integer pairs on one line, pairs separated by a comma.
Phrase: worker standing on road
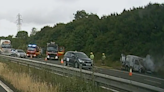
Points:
[[91, 56], [103, 58]]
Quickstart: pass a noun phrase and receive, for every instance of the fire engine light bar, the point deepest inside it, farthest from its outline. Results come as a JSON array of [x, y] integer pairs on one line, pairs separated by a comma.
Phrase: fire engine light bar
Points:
[[31, 45]]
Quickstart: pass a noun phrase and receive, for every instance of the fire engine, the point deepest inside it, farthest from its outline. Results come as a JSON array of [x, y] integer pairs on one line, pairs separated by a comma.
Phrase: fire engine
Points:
[[53, 51], [33, 50]]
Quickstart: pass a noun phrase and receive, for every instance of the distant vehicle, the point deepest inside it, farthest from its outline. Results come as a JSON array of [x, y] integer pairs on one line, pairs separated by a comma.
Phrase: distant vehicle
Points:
[[12, 49], [19, 53], [33, 50], [5, 47], [77, 59], [53, 51], [134, 62], [13, 52]]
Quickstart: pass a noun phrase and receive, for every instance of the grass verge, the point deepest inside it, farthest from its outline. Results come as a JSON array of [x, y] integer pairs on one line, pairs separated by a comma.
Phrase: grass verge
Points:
[[109, 64], [27, 79]]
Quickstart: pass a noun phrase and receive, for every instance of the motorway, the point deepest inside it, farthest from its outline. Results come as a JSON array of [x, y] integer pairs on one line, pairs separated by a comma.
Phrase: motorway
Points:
[[147, 79]]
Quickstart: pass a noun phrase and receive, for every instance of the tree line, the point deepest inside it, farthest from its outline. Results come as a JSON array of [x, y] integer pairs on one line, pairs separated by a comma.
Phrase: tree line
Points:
[[138, 31]]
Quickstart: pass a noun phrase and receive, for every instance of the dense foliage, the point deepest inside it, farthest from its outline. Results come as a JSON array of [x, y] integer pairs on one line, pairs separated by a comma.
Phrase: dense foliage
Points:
[[138, 31]]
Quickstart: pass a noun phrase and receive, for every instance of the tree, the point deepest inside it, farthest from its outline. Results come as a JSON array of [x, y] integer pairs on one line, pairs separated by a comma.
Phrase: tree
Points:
[[10, 37], [80, 14], [138, 31], [21, 40], [22, 34], [33, 32]]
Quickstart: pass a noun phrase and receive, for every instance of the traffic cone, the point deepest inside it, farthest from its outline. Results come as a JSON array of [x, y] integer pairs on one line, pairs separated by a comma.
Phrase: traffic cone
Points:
[[45, 59], [130, 72], [62, 61]]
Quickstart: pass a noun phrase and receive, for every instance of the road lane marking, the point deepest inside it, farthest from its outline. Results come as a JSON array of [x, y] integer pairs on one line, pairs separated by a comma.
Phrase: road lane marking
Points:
[[152, 81], [109, 89], [134, 73], [124, 72]]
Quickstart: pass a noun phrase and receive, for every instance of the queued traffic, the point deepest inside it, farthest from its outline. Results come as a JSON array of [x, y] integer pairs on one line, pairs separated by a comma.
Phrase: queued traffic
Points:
[[53, 52], [72, 58]]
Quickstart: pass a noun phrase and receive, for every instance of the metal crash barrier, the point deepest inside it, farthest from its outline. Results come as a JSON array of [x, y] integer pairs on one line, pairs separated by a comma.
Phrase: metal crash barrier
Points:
[[98, 78]]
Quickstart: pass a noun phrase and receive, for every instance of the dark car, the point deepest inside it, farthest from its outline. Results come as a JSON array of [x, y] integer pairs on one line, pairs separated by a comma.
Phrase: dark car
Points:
[[77, 59]]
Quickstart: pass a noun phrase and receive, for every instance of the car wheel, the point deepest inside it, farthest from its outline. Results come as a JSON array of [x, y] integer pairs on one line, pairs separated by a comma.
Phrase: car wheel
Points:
[[65, 63], [80, 66], [140, 70], [76, 65]]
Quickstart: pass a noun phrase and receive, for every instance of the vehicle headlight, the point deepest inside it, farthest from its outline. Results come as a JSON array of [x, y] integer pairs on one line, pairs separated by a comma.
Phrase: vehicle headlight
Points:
[[56, 57], [81, 61]]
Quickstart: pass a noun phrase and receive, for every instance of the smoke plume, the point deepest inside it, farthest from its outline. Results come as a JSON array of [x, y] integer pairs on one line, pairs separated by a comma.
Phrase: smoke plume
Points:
[[154, 63], [149, 63]]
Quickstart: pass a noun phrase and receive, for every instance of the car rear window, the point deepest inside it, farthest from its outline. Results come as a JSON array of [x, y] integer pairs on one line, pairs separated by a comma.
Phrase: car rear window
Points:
[[67, 54], [81, 55]]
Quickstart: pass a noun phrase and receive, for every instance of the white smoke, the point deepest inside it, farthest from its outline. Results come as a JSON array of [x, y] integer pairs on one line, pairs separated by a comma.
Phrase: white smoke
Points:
[[149, 63], [154, 63], [159, 63]]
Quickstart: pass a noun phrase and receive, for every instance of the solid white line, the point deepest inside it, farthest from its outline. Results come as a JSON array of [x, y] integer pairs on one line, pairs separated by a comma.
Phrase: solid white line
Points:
[[109, 89], [152, 81], [5, 87], [140, 74], [134, 73]]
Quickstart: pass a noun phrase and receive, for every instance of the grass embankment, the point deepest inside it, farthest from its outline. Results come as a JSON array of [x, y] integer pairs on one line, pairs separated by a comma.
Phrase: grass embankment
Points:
[[27, 79], [160, 73], [108, 64], [24, 82]]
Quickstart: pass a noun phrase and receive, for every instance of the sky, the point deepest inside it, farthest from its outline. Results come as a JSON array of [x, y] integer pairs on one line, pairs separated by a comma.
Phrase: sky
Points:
[[40, 13]]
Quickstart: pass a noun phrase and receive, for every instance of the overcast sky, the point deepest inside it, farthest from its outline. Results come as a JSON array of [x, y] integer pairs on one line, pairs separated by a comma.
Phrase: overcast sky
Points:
[[39, 13]]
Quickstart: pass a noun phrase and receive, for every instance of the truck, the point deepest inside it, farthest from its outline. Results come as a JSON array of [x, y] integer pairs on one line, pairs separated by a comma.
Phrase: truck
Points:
[[33, 51], [135, 62], [53, 51], [5, 47]]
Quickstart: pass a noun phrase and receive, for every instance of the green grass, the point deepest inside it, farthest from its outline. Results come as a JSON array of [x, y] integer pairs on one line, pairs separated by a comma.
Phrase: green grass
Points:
[[108, 64], [63, 84]]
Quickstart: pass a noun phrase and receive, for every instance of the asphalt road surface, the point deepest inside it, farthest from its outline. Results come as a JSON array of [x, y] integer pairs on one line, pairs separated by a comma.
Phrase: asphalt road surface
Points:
[[2, 89], [147, 79], [158, 82]]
